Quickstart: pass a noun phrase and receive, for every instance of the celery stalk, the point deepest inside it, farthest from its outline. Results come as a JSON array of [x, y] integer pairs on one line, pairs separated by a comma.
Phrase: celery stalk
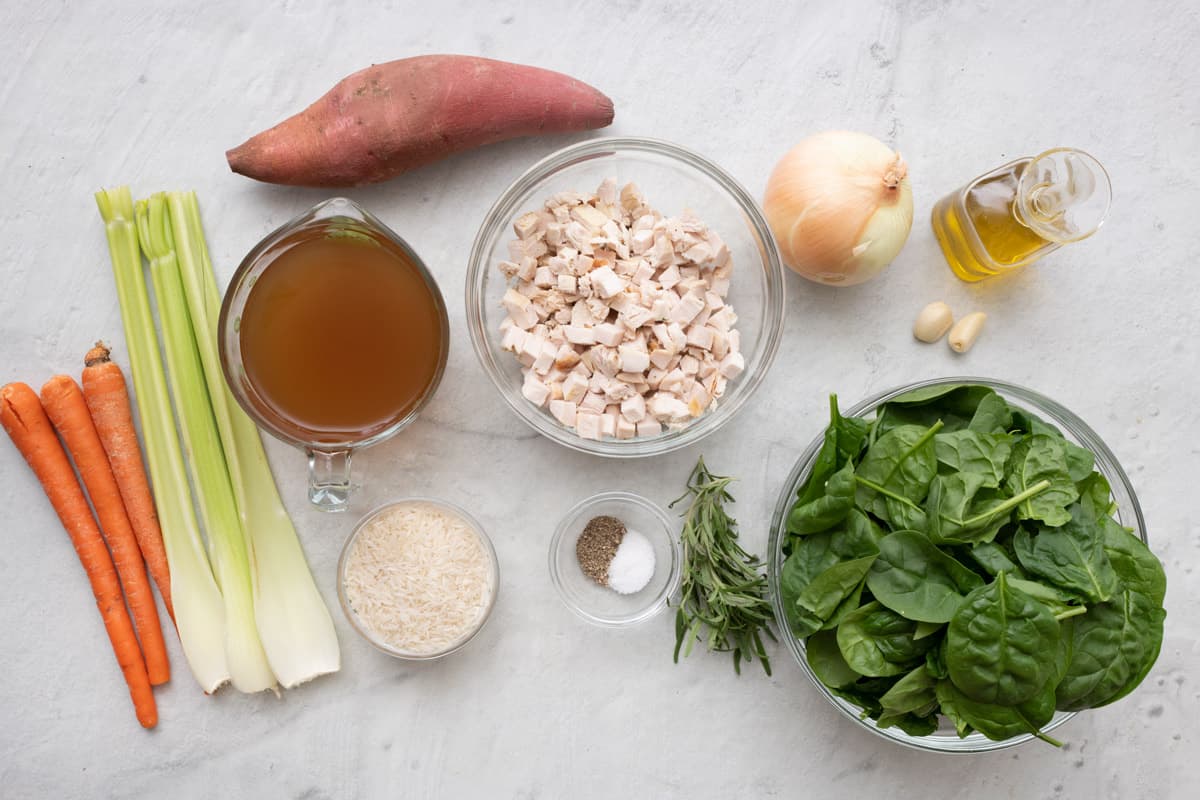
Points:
[[248, 665], [293, 620], [199, 613]]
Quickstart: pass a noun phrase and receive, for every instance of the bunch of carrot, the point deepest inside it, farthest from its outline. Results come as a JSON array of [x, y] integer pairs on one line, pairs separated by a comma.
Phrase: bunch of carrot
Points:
[[95, 424]]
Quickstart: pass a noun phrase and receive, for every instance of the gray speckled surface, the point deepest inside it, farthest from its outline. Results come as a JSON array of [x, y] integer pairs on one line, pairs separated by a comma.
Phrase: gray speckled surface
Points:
[[541, 705]]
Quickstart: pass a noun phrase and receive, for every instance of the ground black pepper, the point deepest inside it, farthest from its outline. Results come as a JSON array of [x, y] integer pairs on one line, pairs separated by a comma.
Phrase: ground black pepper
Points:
[[597, 545]]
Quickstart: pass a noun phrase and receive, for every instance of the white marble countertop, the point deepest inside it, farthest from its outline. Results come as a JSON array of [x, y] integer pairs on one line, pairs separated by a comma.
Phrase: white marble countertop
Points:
[[541, 705]]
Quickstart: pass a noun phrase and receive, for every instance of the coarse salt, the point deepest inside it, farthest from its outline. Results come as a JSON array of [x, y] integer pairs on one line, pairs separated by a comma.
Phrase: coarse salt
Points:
[[633, 565]]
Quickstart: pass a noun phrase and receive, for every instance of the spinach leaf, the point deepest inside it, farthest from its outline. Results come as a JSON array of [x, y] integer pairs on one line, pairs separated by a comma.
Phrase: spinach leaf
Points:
[[914, 578], [962, 399], [897, 469], [870, 634], [925, 629], [1036, 459], [1080, 461], [991, 416], [1095, 496], [843, 441], [1059, 604], [825, 659], [960, 510], [810, 556], [1070, 557], [994, 559], [1000, 644], [818, 601], [859, 537], [912, 724], [1136, 567], [914, 693], [935, 661], [829, 509], [1113, 646], [969, 451], [996, 722]]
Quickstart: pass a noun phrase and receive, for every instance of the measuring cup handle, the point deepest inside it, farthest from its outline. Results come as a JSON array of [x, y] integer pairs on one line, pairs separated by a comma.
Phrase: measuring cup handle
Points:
[[329, 479]]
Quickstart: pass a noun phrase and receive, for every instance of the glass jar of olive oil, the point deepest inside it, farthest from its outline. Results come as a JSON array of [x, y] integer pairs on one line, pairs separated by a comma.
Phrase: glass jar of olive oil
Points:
[[1017, 213]]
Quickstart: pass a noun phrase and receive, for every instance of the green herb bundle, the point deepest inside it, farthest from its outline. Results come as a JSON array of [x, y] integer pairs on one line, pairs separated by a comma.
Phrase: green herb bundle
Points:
[[958, 556], [722, 587]]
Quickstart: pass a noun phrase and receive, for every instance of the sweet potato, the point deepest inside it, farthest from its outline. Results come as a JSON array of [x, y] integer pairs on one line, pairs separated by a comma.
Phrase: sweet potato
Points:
[[393, 117]]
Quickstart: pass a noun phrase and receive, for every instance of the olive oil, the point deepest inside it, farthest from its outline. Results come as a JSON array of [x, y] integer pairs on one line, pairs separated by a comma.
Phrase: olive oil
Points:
[[341, 335], [1017, 213]]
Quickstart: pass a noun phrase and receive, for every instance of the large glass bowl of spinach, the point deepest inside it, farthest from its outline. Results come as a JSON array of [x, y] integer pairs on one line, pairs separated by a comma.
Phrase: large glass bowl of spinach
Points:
[[960, 565]]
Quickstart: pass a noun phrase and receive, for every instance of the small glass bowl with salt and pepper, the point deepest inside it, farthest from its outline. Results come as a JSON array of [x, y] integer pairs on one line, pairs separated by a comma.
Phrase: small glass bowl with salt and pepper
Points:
[[615, 559]]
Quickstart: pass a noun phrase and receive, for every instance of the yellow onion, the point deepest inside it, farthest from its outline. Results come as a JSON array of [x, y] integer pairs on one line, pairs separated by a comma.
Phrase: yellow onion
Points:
[[840, 206]]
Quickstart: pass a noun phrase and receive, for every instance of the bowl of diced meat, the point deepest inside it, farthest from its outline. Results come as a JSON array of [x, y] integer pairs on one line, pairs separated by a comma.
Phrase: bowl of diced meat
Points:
[[625, 296]]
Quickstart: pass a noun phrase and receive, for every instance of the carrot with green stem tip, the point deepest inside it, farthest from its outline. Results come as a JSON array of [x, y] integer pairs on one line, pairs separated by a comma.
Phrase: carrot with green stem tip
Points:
[[22, 416], [63, 402], [108, 402]]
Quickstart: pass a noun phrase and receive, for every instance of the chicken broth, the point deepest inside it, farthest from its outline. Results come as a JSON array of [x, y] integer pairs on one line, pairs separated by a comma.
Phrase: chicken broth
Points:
[[341, 335]]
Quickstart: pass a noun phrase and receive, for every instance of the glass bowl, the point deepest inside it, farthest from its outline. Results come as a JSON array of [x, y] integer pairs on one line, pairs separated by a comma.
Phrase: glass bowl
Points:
[[672, 179], [1129, 513], [366, 633], [598, 604]]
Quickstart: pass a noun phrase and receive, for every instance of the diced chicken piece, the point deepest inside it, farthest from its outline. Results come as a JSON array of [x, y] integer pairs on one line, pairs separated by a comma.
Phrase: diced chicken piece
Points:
[[578, 334], [649, 427], [531, 348], [698, 400], [661, 357], [583, 286], [618, 391], [566, 198], [708, 366], [527, 225], [662, 254], [625, 267], [720, 252], [596, 308], [587, 216], [720, 344], [606, 360], [593, 402], [609, 334], [672, 381], [543, 278], [545, 360], [587, 424], [632, 378], [579, 236], [535, 391], [509, 269], [720, 387], [566, 358], [625, 428], [644, 273], [732, 365], [713, 301], [631, 197], [528, 289], [636, 316], [669, 277], [666, 406], [566, 283], [701, 319], [575, 387], [519, 249], [678, 337], [564, 412], [513, 339], [528, 269], [634, 358], [690, 365], [689, 306], [689, 273], [698, 253], [563, 316], [641, 241], [700, 336], [721, 320], [608, 422], [606, 282], [554, 233], [519, 309], [606, 192], [634, 408], [735, 341]]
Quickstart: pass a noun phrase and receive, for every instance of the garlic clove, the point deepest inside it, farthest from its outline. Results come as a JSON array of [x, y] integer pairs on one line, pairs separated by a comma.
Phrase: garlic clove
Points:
[[933, 322], [966, 331]]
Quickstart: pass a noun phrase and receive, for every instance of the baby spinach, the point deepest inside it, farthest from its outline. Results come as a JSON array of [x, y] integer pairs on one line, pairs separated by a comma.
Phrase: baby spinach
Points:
[[1001, 644], [1037, 459], [896, 470], [1113, 646], [827, 510], [1071, 557], [878, 642], [998, 582], [917, 580], [967, 451]]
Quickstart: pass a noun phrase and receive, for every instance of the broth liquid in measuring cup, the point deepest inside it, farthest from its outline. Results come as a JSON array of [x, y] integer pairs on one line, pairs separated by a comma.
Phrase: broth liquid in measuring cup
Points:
[[341, 336]]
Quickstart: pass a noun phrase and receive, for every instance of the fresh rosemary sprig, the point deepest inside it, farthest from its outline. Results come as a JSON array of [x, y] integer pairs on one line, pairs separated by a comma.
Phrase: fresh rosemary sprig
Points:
[[722, 587]]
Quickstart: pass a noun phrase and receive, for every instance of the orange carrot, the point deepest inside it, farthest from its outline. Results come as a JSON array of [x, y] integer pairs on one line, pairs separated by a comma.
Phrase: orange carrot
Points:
[[63, 402], [23, 417], [108, 402]]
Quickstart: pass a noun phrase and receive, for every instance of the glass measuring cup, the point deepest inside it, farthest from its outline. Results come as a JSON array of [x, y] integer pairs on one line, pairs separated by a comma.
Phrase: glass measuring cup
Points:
[[326, 356]]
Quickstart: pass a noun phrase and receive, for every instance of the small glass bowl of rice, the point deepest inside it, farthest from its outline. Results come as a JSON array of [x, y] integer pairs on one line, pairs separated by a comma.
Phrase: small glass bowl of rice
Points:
[[418, 578]]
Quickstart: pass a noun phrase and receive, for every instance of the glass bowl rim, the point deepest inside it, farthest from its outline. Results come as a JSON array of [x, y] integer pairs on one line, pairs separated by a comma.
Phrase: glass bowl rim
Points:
[[770, 334], [1039, 402], [661, 599], [494, 575]]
